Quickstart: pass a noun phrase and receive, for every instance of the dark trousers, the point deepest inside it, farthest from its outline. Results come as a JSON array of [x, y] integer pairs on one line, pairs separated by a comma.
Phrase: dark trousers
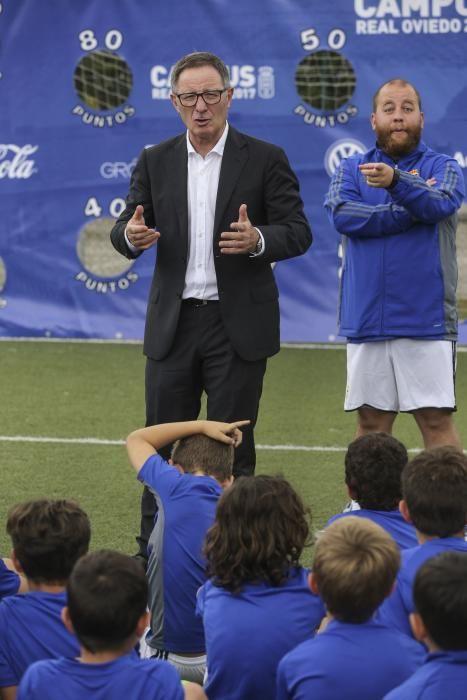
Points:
[[201, 359]]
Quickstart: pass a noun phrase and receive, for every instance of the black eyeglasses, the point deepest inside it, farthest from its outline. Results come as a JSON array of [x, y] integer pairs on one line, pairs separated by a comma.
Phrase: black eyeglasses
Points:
[[210, 97]]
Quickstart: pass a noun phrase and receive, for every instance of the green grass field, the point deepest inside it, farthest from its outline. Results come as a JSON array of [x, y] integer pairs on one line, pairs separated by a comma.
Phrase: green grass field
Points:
[[88, 390]]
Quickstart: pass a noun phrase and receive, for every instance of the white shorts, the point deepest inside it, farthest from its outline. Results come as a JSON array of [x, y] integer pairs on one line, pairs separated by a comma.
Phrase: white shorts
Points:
[[401, 375], [190, 668]]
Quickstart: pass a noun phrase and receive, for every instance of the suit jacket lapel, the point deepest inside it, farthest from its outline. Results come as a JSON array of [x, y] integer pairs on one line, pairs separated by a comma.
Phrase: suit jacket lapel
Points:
[[177, 182], [233, 161]]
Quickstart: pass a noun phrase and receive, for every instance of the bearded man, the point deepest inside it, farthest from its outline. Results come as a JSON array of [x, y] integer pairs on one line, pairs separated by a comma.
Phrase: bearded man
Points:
[[396, 208]]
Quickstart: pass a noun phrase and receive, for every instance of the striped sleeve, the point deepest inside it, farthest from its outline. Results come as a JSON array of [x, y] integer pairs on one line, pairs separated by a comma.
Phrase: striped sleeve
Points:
[[431, 204], [355, 218]]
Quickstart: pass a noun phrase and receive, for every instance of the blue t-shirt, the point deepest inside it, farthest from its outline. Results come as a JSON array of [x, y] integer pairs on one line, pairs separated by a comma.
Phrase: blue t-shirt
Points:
[[395, 610], [355, 662], [176, 566], [402, 532], [127, 677], [9, 581], [443, 676], [31, 629], [248, 633]]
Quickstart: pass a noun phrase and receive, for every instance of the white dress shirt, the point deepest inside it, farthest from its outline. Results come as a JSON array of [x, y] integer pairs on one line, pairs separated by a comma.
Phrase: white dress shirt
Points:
[[203, 182]]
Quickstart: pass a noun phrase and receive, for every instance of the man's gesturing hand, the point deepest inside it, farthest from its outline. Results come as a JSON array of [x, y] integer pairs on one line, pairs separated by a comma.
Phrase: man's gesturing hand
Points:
[[138, 234], [243, 237], [377, 174]]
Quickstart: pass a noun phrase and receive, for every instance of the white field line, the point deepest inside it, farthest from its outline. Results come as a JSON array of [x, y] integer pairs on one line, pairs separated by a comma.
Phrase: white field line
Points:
[[128, 341], [99, 441], [338, 345]]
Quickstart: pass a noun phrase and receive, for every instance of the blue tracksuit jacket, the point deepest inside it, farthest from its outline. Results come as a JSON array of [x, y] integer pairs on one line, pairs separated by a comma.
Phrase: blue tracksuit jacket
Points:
[[399, 271]]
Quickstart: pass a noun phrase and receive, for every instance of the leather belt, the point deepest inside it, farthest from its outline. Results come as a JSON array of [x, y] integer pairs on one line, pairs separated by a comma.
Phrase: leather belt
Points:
[[191, 301]]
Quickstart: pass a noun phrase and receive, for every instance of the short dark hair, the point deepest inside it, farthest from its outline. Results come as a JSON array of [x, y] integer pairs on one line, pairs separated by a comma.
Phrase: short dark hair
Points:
[[440, 597], [434, 487], [196, 60], [402, 83], [48, 537], [202, 453], [373, 467], [107, 595], [260, 530], [355, 566]]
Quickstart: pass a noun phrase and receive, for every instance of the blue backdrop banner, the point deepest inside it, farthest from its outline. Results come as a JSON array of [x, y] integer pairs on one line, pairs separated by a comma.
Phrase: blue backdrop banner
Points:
[[85, 87]]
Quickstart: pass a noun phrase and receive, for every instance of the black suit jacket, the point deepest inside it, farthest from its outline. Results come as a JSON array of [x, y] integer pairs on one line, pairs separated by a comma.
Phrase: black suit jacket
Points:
[[252, 172]]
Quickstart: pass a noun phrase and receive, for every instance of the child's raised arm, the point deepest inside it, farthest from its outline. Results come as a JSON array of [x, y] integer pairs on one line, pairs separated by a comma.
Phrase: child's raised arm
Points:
[[143, 443]]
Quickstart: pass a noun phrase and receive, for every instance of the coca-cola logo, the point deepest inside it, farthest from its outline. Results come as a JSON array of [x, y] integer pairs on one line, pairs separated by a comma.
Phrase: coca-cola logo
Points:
[[15, 161]]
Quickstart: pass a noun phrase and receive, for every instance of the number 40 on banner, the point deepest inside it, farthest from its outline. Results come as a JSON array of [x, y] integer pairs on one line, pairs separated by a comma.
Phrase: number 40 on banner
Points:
[[93, 208]]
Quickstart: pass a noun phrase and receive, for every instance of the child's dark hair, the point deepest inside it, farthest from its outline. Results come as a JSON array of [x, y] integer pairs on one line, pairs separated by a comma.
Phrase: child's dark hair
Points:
[[373, 467], [440, 597], [260, 530], [355, 566], [202, 453], [107, 595], [434, 487], [48, 537]]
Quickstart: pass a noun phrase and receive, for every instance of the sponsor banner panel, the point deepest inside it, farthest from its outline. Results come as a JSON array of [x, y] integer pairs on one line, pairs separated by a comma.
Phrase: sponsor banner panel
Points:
[[85, 91]]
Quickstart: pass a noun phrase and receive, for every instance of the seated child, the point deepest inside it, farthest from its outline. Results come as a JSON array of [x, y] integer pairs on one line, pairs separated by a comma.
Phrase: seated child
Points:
[[440, 621], [434, 499], [48, 537], [107, 595], [373, 468], [186, 496], [354, 657], [257, 605]]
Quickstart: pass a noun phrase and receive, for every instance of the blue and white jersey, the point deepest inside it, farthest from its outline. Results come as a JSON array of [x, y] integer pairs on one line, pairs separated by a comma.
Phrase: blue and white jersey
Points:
[[355, 662], [247, 633], [176, 568], [127, 677], [31, 629], [9, 581], [395, 610], [443, 676], [402, 532]]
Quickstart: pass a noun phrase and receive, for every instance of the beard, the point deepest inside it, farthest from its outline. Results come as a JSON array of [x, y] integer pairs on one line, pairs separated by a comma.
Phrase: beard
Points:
[[396, 147]]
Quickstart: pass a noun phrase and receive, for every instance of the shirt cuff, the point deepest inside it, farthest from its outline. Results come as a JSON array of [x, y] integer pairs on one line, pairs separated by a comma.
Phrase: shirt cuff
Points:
[[260, 247], [131, 247]]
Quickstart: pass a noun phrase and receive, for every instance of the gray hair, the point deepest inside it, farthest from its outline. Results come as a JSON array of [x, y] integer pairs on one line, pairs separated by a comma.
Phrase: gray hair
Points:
[[195, 60]]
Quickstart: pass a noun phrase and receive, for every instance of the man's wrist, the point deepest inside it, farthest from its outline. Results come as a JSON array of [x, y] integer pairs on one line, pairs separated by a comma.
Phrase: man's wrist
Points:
[[258, 245], [130, 245], [259, 248], [395, 179]]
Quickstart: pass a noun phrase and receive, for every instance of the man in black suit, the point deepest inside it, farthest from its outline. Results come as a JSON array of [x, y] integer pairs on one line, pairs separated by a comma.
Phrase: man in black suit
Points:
[[221, 206]]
